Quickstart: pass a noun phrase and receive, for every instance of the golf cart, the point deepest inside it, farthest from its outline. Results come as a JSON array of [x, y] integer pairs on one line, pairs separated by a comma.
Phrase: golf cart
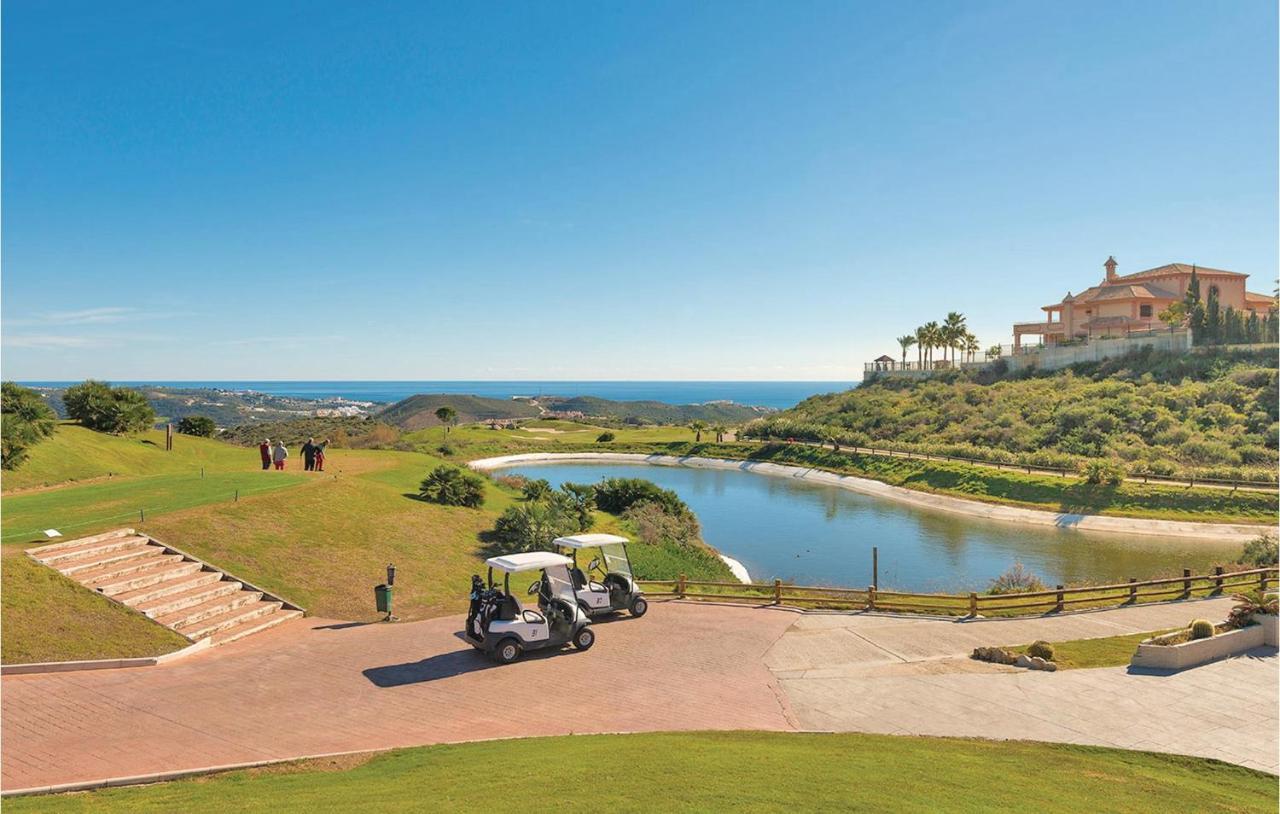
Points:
[[617, 589], [498, 626]]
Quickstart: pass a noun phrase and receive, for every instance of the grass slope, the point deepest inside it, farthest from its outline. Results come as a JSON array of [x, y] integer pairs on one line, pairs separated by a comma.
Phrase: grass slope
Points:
[[48, 617], [729, 771], [1079, 654]]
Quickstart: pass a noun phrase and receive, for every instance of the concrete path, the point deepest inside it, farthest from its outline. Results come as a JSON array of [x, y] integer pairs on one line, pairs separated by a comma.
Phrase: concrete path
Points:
[[314, 687]]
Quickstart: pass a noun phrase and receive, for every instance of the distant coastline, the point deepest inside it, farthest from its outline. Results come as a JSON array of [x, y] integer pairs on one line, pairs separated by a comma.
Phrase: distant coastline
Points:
[[776, 394]]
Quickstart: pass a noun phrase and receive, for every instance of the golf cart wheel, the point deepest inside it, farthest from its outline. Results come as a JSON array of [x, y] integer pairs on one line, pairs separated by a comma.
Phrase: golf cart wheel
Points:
[[507, 651], [584, 638], [638, 606]]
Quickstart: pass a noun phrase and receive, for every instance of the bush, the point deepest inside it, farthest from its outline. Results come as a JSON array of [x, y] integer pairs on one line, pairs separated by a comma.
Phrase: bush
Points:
[[446, 449], [1102, 472], [1201, 629], [101, 407], [582, 496], [655, 525], [1042, 649], [26, 421], [536, 489], [198, 425], [605, 437], [616, 495], [514, 482], [451, 486], [1248, 605], [1016, 580], [1260, 552], [532, 526]]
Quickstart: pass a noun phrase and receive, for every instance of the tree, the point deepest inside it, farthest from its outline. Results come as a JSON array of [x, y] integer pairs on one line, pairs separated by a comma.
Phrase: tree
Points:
[[536, 489], [451, 486], [1253, 328], [954, 330], [971, 345], [719, 430], [906, 342], [99, 406], [1174, 315], [922, 335], [1213, 317], [447, 416], [25, 420], [697, 427], [583, 498], [932, 339], [200, 425], [1192, 296]]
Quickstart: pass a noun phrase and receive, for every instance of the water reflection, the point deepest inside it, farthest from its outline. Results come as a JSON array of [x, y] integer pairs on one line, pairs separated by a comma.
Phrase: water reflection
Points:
[[822, 535]]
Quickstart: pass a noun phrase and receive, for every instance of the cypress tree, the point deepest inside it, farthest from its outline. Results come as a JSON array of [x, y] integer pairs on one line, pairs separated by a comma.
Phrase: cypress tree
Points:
[[1192, 297], [1213, 318], [1253, 328]]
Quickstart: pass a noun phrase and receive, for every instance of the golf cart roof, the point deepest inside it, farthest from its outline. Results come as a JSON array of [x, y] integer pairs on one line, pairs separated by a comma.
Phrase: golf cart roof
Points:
[[528, 561], [589, 540]]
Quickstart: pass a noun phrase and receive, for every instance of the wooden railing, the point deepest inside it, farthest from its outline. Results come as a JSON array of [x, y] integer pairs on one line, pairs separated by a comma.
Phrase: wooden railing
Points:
[[1057, 600]]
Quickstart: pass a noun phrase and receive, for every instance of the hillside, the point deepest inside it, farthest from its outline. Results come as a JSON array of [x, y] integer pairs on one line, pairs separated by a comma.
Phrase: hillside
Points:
[[418, 412], [226, 407], [1211, 414]]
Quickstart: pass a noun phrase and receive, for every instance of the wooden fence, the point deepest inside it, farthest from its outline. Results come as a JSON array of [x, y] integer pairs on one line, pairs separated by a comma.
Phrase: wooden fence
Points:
[[1057, 600]]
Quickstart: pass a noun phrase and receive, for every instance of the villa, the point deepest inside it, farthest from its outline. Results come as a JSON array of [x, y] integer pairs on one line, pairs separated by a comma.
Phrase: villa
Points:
[[1120, 305]]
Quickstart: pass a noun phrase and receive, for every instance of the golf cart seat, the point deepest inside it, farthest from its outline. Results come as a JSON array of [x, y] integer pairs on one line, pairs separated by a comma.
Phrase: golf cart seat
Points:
[[579, 578], [508, 609]]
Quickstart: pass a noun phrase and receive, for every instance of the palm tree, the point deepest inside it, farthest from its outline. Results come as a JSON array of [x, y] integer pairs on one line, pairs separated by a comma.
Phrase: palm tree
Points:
[[921, 336], [932, 339], [971, 345], [697, 427], [906, 342], [719, 430], [448, 417], [953, 328]]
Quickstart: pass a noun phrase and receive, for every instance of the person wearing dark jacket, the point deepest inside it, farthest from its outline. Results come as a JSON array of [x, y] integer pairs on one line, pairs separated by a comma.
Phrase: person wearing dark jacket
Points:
[[309, 454], [264, 449]]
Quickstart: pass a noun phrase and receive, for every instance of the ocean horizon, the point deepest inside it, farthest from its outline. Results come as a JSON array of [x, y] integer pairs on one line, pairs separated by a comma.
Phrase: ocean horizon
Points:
[[775, 394]]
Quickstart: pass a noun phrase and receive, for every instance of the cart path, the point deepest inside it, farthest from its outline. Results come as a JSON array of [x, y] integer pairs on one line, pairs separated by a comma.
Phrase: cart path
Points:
[[313, 687]]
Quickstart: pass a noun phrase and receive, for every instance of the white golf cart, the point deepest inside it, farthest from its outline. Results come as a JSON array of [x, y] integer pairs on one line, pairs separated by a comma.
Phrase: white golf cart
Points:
[[616, 589], [499, 627]]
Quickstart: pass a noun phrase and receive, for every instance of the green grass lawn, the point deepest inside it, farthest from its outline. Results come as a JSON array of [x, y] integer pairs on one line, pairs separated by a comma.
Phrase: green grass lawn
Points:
[[48, 617], [710, 772], [1111, 651]]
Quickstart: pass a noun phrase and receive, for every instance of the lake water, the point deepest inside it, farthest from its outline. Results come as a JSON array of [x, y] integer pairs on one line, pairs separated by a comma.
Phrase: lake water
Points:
[[813, 534], [778, 395]]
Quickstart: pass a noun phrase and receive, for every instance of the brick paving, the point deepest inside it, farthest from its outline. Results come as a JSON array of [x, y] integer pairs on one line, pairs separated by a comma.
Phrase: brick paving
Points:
[[314, 687]]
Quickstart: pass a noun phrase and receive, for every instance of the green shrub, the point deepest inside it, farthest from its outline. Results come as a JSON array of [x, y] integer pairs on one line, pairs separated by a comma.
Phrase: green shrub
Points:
[[26, 420], [605, 437], [101, 407], [198, 425], [451, 486], [616, 495], [447, 450], [536, 489], [655, 525], [1201, 629], [1260, 552], [533, 525], [1042, 649], [1102, 472], [1016, 580]]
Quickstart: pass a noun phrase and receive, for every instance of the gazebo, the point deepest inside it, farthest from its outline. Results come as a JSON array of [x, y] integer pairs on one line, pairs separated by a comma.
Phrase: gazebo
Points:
[[885, 362]]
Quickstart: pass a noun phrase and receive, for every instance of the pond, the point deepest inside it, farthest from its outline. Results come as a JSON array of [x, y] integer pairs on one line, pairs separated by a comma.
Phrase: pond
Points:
[[815, 534]]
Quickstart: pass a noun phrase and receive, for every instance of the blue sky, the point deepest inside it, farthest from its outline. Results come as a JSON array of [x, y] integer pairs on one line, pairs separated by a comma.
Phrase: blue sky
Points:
[[605, 190]]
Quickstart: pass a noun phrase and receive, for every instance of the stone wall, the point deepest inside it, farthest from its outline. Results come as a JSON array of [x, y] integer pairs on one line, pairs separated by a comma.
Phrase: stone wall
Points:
[[1052, 357]]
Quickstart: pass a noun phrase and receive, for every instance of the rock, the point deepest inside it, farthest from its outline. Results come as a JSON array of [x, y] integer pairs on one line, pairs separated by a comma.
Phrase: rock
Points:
[[1024, 661], [1051, 667], [1037, 663]]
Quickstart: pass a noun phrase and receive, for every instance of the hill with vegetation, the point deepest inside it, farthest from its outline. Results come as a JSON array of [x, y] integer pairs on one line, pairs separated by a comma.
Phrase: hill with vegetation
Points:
[[419, 412], [352, 432], [1211, 414], [226, 407]]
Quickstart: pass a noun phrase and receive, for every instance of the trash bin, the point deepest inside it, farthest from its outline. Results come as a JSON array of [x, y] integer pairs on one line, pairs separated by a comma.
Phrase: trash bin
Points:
[[382, 593]]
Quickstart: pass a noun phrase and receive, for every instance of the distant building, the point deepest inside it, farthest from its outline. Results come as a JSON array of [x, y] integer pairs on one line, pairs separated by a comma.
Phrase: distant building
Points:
[[1120, 305]]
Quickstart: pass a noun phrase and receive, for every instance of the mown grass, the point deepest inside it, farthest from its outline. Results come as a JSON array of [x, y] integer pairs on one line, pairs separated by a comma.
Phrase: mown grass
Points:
[[48, 617], [712, 771], [1079, 654]]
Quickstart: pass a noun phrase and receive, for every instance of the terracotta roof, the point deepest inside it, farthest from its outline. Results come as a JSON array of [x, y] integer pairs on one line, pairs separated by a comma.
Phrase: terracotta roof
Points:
[[1250, 296], [1177, 268], [1107, 322], [1125, 292]]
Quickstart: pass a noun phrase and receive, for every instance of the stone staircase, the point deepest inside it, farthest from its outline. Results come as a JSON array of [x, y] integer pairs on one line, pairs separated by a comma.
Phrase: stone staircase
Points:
[[175, 589]]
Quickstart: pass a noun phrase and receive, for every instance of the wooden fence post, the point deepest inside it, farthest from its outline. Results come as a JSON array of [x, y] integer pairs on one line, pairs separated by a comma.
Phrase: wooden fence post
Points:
[[142, 515], [871, 597], [1217, 579], [1186, 583], [1262, 582], [1133, 589], [680, 586], [777, 592], [973, 605], [875, 566], [1057, 608]]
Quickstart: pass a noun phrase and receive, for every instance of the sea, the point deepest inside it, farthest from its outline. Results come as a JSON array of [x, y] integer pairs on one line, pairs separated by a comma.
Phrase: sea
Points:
[[776, 394]]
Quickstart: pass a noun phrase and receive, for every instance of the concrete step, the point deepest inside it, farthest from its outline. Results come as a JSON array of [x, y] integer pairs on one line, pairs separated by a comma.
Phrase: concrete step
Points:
[[193, 616], [94, 577], [79, 541], [214, 624], [162, 573], [96, 561], [135, 597], [87, 550], [178, 600], [255, 625]]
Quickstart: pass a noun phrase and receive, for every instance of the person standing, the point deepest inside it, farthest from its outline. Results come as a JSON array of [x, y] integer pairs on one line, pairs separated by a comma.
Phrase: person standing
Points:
[[309, 454], [264, 449], [280, 454], [320, 448]]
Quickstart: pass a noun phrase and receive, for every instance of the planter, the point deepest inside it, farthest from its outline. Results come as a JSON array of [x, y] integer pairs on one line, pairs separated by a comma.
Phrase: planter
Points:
[[1198, 651], [1270, 624]]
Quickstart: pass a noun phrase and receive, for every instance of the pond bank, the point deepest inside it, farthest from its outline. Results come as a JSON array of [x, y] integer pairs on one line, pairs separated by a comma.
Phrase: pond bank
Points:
[[1215, 532]]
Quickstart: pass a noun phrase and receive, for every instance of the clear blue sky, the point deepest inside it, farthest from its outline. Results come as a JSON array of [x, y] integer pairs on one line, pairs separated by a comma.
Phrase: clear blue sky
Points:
[[605, 190]]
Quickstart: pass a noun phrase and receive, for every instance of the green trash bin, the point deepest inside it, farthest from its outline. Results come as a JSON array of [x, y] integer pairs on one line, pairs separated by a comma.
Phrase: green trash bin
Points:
[[382, 594]]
